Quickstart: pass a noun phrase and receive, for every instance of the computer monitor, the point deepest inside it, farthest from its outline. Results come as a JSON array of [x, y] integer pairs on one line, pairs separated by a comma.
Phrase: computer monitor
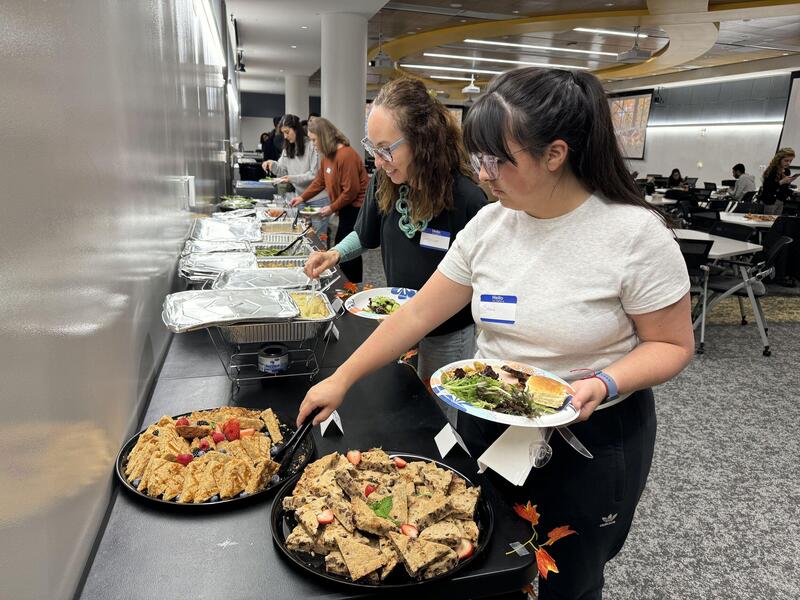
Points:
[[690, 181]]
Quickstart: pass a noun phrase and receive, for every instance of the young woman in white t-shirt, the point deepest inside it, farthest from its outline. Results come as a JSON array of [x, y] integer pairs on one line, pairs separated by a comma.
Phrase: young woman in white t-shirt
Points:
[[598, 283]]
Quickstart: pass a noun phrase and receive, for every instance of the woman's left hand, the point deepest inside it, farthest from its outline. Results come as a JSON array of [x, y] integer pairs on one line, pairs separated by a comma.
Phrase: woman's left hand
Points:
[[284, 179], [325, 211], [589, 393]]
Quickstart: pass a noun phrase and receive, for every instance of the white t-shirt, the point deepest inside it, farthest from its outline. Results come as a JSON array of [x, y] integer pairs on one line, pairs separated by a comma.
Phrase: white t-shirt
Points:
[[556, 293]]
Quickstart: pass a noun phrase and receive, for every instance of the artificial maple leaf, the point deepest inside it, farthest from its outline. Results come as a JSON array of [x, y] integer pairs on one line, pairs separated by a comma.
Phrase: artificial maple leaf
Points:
[[545, 563], [558, 533], [351, 287], [527, 512]]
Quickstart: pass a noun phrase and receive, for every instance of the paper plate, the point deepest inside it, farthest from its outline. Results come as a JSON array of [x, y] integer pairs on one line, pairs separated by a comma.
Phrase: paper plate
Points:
[[562, 417], [357, 303]]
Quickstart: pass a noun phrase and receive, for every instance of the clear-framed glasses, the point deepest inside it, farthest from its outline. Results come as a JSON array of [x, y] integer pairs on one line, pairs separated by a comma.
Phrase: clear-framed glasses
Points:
[[378, 151], [488, 162]]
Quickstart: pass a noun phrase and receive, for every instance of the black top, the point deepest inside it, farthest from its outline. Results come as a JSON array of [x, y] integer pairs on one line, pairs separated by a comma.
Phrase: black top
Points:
[[772, 190], [273, 146], [405, 262]]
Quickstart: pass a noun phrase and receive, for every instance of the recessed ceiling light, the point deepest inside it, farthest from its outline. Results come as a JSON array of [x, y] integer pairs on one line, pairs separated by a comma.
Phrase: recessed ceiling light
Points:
[[516, 12], [610, 32], [411, 32], [513, 45], [292, 46], [500, 60], [786, 54], [455, 5], [281, 70], [457, 69], [303, 26], [609, 4], [463, 20]]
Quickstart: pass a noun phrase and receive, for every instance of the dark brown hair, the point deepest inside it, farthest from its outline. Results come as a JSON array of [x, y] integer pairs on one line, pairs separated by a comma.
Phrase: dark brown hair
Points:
[[299, 146], [434, 137], [534, 107], [328, 137]]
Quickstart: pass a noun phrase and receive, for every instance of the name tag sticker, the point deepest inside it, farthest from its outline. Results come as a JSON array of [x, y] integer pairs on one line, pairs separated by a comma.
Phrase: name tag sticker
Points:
[[498, 309], [435, 239], [328, 170]]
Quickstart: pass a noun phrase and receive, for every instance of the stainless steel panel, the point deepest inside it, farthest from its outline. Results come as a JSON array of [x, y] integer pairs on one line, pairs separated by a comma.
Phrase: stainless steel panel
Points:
[[103, 104]]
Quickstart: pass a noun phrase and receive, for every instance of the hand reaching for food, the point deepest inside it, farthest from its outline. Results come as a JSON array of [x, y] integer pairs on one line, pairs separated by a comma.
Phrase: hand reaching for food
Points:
[[295, 201], [318, 262], [328, 395]]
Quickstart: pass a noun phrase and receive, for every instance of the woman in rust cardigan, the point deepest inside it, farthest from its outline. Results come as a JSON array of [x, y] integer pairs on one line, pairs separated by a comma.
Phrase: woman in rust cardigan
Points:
[[343, 175]]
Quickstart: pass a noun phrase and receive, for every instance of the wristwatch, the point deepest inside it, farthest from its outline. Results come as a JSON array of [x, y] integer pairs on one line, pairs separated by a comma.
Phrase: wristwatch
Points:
[[612, 390]]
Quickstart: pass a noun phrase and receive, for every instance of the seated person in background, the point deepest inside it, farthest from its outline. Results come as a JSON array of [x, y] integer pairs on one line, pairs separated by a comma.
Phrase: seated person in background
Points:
[[744, 182], [676, 180], [777, 182]]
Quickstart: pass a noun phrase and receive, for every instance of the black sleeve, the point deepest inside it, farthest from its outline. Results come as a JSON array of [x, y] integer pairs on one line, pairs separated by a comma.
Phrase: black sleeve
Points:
[[368, 224], [472, 197]]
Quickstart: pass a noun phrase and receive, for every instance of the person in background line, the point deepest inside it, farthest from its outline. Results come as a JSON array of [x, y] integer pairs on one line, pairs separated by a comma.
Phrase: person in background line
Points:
[[262, 141], [676, 180], [312, 116], [274, 144], [778, 179], [423, 194], [299, 165], [343, 175], [597, 283], [744, 182]]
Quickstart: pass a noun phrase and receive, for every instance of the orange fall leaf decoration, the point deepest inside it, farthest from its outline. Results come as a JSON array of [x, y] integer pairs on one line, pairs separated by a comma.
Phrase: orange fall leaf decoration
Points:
[[545, 563], [527, 512], [558, 533]]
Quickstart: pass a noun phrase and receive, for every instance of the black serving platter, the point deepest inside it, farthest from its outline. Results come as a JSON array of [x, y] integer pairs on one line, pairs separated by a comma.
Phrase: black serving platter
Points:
[[302, 456], [283, 522]]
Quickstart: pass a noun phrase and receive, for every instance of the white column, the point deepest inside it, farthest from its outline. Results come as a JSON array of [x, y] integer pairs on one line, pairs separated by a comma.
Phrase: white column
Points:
[[297, 95], [344, 73]]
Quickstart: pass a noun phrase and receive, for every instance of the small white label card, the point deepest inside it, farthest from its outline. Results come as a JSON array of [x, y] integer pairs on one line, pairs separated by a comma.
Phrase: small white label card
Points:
[[336, 304], [447, 439], [498, 309], [334, 418], [435, 239]]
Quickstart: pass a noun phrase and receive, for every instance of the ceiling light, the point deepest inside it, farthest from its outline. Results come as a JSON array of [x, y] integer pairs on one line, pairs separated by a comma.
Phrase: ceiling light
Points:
[[516, 12], [609, 4], [501, 60], [292, 46], [455, 5], [457, 69], [513, 45], [611, 32], [303, 26], [411, 32], [451, 78]]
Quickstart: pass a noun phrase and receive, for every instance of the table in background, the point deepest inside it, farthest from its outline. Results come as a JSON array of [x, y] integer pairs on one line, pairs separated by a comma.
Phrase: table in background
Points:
[[659, 201], [740, 219], [723, 247]]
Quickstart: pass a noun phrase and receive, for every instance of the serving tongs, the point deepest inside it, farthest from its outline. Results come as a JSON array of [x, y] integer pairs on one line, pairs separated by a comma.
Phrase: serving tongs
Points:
[[280, 216], [294, 243], [284, 453]]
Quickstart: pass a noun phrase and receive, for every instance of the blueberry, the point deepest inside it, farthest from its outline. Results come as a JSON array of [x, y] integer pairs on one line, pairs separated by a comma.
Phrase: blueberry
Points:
[[155, 432], [136, 482], [201, 453], [243, 495], [196, 452], [202, 422], [275, 478], [214, 498]]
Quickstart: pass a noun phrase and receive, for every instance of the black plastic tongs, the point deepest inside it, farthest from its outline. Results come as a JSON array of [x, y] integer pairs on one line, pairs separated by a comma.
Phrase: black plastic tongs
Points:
[[294, 243], [283, 453]]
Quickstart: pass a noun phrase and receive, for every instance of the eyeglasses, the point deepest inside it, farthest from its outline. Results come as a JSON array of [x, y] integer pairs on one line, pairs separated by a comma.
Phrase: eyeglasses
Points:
[[488, 162], [378, 151]]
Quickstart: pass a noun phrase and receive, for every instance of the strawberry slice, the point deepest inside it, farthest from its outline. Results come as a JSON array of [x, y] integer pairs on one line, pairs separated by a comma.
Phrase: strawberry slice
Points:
[[247, 432], [184, 459], [218, 437], [231, 430], [354, 456], [325, 517], [409, 530], [465, 549], [369, 489], [203, 444], [181, 422], [399, 462]]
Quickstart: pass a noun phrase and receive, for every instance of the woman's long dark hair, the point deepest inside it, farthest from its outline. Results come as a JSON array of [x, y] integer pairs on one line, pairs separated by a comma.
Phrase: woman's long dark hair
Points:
[[534, 107], [672, 178], [299, 146]]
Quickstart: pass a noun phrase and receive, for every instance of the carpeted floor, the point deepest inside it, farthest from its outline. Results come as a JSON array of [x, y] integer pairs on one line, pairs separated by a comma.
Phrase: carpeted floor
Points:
[[719, 518]]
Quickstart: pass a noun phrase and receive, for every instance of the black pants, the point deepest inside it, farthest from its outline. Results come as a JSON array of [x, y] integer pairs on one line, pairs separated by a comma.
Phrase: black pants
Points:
[[353, 269], [595, 497]]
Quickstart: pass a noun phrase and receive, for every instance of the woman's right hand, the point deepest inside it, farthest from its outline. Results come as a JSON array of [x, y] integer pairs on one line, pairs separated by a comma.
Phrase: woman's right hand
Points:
[[328, 394], [318, 262], [295, 201]]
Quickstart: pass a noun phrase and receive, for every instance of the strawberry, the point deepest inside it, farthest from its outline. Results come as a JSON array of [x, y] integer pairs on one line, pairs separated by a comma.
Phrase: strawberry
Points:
[[247, 432], [465, 549], [204, 444], [218, 437], [325, 517], [354, 456], [368, 490], [399, 462], [409, 530], [231, 430], [181, 422], [184, 459]]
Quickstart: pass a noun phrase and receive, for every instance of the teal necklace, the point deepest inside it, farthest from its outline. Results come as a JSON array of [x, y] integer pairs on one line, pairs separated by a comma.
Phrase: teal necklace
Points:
[[405, 224]]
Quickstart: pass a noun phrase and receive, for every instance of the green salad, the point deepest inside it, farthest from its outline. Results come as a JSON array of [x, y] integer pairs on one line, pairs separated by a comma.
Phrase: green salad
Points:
[[382, 305]]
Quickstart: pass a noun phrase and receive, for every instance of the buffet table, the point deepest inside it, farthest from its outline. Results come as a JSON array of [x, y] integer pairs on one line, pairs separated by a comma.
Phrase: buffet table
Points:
[[149, 551]]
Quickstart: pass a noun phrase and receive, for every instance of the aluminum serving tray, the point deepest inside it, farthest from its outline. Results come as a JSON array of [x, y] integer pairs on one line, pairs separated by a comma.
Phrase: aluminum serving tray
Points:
[[286, 262], [283, 238], [296, 330], [235, 230], [281, 227], [204, 246], [303, 248], [246, 279]]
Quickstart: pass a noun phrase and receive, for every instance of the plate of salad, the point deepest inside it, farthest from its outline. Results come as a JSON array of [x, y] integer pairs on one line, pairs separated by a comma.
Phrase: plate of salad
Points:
[[378, 303], [505, 392]]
